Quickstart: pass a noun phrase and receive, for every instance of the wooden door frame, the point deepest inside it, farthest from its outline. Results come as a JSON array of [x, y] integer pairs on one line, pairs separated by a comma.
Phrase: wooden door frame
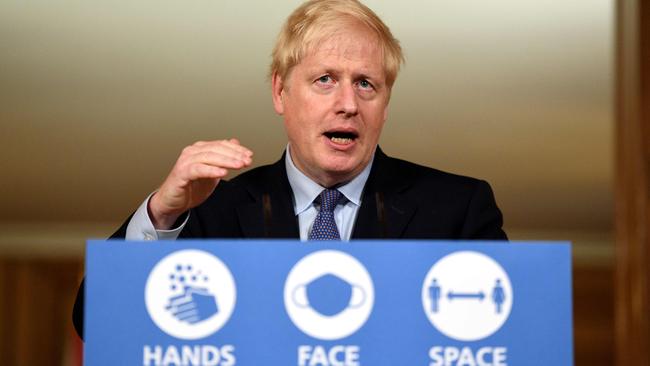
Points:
[[632, 302]]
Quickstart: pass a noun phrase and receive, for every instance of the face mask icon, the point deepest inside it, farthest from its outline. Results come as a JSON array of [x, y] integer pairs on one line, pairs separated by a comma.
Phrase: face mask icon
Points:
[[328, 295]]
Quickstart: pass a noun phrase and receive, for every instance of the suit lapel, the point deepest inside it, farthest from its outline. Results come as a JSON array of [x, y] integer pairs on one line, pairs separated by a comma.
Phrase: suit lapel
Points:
[[271, 213], [385, 210], [251, 219], [399, 212]]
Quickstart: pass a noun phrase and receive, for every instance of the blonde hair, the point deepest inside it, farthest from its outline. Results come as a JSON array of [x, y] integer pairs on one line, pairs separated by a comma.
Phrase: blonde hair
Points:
[[315, 20]]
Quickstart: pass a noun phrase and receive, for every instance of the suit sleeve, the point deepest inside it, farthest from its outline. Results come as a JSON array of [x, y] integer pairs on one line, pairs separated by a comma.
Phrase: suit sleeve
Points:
[[78, 308], [483, 219]]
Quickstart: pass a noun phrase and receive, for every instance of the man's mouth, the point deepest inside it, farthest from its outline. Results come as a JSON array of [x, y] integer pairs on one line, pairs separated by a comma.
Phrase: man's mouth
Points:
[[341, 137]]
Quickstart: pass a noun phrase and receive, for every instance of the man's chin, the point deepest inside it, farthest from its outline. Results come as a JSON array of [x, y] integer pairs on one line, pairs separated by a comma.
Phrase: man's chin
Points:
[[341, 173]]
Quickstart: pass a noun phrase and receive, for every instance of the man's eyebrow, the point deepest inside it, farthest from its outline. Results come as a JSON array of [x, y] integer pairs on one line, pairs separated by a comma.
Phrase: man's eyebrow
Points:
[[333, 70], [318, 71], [364, 76]]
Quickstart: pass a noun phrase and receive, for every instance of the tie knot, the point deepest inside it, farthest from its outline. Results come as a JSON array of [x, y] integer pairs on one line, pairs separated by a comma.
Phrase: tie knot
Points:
[[329, 198]]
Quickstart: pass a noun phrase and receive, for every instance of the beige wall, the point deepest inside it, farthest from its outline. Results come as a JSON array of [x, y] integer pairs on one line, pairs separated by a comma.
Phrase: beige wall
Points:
[[98, 97]]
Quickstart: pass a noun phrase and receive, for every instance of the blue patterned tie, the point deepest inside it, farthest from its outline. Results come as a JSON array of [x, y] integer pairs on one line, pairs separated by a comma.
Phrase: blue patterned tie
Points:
[[324, 227]]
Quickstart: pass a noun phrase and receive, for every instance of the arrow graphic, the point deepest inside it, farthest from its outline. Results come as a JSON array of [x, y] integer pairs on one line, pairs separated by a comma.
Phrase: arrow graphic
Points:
[[466, 295]]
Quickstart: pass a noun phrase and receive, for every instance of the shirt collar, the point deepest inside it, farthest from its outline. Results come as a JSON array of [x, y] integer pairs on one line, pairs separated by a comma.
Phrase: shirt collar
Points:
[[306, 190]]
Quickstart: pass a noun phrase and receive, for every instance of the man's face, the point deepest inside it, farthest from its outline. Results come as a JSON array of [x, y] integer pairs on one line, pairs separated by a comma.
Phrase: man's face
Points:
[[334, 104]]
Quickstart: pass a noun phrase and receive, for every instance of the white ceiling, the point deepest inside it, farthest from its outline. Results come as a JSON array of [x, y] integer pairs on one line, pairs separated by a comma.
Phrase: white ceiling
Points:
[[98, 97]]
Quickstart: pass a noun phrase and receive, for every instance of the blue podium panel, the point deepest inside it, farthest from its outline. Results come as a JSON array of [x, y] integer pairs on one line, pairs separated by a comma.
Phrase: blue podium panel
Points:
[[235, 302]]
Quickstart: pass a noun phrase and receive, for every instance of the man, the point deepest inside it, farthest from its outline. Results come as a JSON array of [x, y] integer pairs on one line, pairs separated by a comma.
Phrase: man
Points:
[[333, 68]]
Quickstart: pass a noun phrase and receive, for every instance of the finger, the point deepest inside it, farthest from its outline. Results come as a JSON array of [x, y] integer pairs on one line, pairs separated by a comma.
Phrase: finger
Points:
[[176, 298], [232, 143], [228, 150], [179, 299], [190, 306], [204, 153], [185, 313], [204, 171], [178, 302], [193, 318], [218, 159], [236, 146]]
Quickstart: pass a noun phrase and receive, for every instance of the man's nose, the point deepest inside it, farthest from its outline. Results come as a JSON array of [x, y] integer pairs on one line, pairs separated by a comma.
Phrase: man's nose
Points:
[[347, 100]]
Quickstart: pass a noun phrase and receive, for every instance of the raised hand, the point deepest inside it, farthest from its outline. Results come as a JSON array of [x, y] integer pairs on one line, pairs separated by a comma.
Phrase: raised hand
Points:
[[194, 177]]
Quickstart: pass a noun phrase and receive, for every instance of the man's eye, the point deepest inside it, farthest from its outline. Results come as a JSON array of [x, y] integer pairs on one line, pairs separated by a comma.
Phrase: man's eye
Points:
[[365, 84], [324, 79]]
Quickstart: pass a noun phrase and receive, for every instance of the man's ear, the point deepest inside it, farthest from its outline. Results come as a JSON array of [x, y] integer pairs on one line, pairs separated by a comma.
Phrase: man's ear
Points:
[[386, 111], [277, 92]]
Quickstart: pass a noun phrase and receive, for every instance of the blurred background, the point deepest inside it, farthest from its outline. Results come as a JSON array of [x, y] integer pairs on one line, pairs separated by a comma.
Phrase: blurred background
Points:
[[97, 98]]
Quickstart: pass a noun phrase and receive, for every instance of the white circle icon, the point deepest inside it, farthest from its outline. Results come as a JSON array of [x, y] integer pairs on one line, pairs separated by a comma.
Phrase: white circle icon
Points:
[[190, 294], [467, 296], [329, 295]]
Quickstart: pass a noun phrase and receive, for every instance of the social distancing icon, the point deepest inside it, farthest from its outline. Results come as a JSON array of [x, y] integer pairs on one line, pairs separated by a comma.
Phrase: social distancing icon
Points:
[[467, 296]]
